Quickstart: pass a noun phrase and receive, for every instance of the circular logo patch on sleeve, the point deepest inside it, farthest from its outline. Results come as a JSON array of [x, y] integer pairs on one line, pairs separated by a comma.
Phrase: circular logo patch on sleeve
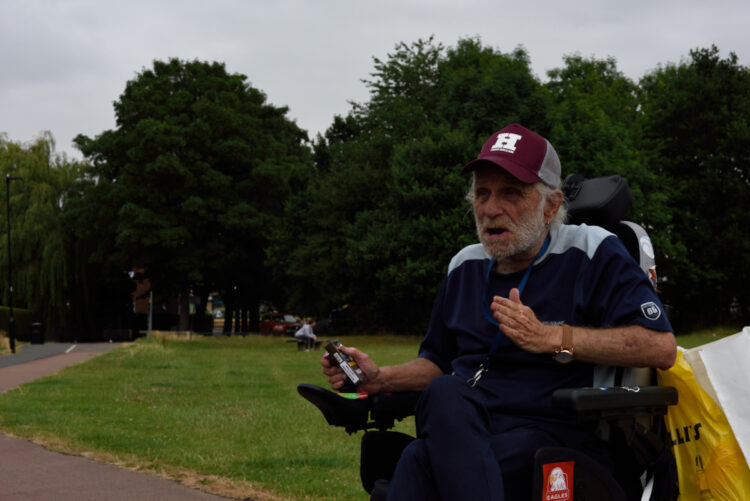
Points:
[[651, 310]]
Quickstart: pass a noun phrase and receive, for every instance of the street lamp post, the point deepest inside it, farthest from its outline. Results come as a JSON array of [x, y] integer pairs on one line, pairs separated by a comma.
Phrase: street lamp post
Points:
[[11, 320]]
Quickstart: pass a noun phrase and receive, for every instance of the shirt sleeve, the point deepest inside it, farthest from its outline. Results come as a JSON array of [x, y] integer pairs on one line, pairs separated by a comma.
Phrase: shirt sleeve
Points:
[[617, 292], [439, 345]]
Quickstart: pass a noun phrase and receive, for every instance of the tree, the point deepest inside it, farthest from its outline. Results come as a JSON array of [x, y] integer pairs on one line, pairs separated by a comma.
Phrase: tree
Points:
[[198, 168], [596, 124], [41, 243], [100, 287], [385, 208], [598, 130], [697, 120]]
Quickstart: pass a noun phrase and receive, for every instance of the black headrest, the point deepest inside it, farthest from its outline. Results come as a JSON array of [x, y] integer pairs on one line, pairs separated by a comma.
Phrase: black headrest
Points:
[[600, 201]]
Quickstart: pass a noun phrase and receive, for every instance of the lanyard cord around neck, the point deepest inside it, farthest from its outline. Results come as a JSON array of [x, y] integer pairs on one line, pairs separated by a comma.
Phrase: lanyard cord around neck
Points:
[[485, 309]]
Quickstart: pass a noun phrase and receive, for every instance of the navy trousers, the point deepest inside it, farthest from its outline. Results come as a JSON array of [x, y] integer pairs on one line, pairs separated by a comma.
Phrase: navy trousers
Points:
[[464, 452]]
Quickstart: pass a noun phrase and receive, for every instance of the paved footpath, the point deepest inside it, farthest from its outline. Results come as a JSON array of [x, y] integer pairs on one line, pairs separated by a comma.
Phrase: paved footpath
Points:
[[29, 472]]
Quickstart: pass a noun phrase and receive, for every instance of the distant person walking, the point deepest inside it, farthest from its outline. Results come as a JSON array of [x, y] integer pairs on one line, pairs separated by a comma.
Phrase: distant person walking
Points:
[[306, 333]]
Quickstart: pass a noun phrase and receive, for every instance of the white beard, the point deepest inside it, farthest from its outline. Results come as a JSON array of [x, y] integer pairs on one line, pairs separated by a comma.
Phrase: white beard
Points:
[[527, 234]]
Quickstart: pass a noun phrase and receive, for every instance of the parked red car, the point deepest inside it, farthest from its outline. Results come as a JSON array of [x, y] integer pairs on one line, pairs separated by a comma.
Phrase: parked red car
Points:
[[279, 324]]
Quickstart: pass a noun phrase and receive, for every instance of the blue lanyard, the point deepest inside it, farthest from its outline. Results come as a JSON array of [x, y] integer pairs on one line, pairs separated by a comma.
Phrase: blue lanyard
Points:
[[485, 309]]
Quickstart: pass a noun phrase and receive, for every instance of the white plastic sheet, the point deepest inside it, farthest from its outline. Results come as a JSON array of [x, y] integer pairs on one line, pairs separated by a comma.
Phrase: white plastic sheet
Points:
[[722, 369]]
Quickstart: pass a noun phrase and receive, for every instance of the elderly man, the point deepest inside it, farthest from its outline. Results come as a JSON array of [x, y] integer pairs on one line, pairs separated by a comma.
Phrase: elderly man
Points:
[[537, 305]]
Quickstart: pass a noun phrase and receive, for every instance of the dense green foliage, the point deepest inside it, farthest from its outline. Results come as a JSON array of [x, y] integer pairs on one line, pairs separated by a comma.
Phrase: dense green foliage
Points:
[[22, 318], [384, 212], [697, 121], [598, 130], [208, 188], [198, 169]]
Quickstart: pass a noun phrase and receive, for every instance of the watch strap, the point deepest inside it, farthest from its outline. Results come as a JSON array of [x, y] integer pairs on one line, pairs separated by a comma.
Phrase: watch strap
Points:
[[567, 338]]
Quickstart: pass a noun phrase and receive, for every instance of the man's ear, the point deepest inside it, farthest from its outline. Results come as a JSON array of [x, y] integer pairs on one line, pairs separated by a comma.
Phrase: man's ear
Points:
[[552, 205]]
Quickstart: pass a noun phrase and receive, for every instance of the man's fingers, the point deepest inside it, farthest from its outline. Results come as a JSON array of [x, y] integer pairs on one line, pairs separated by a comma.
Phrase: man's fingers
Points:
[[509, 310], [349, 350], [337, 381]]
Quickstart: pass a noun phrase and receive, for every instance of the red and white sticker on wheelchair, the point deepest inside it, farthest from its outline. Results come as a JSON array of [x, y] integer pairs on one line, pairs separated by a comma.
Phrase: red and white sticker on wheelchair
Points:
[[559, 481]]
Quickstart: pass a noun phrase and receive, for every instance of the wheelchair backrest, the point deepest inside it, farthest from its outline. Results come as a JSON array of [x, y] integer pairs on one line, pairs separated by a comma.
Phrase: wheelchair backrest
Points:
[[604, 201]]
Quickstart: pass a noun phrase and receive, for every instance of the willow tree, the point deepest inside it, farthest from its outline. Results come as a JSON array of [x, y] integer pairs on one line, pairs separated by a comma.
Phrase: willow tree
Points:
[[40, 241]]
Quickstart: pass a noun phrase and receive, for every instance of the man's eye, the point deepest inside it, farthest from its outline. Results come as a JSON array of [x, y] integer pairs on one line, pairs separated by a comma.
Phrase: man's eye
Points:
[[511, 194]]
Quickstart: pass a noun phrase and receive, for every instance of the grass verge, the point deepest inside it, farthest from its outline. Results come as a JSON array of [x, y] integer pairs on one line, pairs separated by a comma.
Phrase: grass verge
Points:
[[221, 414], [704, 336]]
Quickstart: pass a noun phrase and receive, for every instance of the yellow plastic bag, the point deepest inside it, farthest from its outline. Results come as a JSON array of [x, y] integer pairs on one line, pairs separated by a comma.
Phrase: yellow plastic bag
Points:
[[710, 463]]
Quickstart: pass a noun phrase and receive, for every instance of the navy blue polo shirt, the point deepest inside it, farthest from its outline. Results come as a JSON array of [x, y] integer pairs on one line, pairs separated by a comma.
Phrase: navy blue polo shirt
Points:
[[585, 278]]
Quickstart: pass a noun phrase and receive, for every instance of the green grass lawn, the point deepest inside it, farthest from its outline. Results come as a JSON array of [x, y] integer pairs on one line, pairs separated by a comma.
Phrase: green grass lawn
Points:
[[201, 409], [221, 413], [704, 336]]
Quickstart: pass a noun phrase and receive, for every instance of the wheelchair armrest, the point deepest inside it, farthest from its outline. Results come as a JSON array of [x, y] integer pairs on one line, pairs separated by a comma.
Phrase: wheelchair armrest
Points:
[[354, 414], [338, 411], [616, 401], [627, 412]]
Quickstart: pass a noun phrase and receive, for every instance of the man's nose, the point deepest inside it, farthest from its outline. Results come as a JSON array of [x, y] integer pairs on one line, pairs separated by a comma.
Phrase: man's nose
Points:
[[495, 205]]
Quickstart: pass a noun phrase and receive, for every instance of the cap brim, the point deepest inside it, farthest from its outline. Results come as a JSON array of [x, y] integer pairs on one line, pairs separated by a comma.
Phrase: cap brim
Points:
[[510, 167]]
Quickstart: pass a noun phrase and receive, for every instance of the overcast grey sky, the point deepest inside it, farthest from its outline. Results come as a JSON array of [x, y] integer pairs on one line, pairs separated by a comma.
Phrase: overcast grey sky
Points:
[[64, 62]]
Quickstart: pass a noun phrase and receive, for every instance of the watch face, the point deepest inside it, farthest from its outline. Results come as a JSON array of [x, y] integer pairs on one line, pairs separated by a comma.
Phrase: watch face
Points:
[[564, 357]]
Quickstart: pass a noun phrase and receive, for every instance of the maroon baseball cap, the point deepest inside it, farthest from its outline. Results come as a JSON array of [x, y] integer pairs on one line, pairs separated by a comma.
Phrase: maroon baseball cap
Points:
[[524, 154]]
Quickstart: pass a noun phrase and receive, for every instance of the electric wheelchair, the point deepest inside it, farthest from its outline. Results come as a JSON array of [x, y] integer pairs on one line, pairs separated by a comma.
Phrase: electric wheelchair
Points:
[[629, 412]]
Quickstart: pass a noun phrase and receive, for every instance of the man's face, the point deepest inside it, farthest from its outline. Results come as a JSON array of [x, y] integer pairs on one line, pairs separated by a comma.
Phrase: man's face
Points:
[[509, 214]]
